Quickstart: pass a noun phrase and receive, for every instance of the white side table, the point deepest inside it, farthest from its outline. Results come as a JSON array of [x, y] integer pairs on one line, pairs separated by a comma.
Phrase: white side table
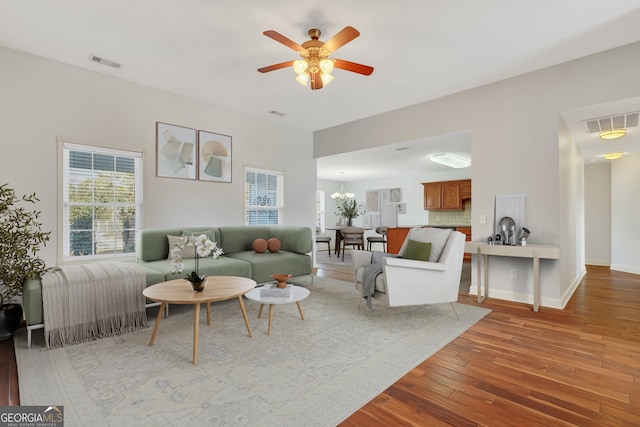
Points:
[[297, 294]]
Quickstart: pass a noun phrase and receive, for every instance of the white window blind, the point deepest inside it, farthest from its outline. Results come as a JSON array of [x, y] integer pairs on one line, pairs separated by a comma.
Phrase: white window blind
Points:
[[320, 214], [263, 196], [102, 201]]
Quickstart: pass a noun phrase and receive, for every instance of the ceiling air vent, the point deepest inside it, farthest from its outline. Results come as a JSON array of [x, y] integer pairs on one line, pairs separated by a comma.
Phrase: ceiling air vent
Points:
[[106, 62], [619, 121]]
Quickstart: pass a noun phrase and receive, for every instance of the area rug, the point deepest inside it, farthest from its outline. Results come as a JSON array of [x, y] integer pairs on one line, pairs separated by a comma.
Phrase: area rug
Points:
[[314, 372]]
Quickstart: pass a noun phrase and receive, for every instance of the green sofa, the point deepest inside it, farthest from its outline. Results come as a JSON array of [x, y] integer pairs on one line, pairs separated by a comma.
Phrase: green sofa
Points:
[[152, 251]]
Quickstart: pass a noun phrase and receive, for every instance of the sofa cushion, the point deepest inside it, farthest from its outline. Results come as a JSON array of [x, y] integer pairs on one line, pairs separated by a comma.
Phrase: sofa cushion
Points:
[[293, 239], [188, 251], [260, 246], [268, 263], [274, 244], [436, 236], [223, 266], [152, 244], [418, 251], [241, 238]]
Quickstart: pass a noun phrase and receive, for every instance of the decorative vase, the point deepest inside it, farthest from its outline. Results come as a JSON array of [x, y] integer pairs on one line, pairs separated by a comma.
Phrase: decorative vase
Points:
[[10, 319], [198, 286], [350, 222], [281, 279]]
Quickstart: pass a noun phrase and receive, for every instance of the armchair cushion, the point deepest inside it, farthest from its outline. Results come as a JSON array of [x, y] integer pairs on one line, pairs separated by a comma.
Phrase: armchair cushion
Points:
[[417, 250], [436, 236]]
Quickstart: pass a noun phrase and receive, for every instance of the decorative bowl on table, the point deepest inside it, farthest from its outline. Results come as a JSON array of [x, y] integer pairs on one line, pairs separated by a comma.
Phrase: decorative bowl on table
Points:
[[281, 279]]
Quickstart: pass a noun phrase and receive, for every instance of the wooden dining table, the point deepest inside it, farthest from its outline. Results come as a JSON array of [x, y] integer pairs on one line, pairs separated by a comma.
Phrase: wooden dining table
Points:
[[338, 239]]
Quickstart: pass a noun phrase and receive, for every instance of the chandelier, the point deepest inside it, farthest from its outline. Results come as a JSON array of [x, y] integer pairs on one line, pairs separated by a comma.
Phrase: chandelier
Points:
[[342, 195]]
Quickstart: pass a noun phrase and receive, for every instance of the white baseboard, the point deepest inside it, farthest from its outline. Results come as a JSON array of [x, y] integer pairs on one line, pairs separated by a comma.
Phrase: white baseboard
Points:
[[625, 268], [519, 297], [571, 289], [598, 262]]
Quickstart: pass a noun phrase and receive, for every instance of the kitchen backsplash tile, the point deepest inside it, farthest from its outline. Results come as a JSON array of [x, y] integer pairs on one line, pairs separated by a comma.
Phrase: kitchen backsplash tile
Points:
[[451, 217]]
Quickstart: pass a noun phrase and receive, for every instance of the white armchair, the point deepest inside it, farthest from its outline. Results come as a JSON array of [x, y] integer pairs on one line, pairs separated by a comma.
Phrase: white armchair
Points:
[[409, 282]]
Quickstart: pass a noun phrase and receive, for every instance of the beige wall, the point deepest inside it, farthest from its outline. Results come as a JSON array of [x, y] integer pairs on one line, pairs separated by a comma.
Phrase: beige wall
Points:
[[42, 99], [625, 206], [597, 185], [516, 149]]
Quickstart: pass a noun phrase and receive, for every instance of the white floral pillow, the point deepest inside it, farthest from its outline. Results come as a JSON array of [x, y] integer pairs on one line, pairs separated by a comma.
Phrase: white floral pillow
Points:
[[189, 251]]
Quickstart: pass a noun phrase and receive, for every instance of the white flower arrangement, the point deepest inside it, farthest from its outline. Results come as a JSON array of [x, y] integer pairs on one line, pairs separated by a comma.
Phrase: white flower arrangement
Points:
[[204, 247]]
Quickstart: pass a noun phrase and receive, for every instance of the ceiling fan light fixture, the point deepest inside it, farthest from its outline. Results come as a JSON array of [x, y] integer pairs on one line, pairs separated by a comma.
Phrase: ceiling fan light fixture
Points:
[[300, 66], [303, 79], [450, 160], [613, 156], [326, 78], [613, 133], [326, 66]]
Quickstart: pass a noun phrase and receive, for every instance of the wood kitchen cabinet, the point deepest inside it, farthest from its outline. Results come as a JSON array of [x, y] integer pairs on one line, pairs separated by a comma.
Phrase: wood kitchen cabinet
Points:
[[467, 233], [446, 195]]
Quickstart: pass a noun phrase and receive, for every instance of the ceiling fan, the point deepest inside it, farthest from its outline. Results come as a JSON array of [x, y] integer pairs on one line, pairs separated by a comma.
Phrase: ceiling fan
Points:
[[315, 65]]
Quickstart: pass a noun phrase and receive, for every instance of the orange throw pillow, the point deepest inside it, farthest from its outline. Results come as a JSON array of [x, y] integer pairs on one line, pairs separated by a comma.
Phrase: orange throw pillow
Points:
[[260, 246], [274, 244]]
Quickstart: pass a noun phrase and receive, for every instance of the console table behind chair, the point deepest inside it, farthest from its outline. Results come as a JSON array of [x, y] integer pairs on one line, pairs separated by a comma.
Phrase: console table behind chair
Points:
[[535, 252]]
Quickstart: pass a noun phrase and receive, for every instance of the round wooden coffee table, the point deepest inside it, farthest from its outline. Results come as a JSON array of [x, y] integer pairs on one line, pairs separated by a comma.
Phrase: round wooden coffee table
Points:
[[178, 291]]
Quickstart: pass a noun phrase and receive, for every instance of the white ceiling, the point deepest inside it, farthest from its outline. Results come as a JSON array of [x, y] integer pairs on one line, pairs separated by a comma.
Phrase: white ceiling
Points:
[[420, 49]]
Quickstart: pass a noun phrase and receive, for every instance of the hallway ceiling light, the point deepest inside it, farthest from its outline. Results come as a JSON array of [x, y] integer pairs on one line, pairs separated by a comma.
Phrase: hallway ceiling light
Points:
[[450, 160], [613, 156], [613, 133]]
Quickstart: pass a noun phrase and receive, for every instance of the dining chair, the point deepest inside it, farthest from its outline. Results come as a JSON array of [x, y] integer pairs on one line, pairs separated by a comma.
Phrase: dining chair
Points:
[[381, 237], [352, 236], [323, 239]]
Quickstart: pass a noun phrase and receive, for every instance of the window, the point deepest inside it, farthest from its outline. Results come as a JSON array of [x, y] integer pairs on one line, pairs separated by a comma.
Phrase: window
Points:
[[320, 210], [102, 201], [263, 201]]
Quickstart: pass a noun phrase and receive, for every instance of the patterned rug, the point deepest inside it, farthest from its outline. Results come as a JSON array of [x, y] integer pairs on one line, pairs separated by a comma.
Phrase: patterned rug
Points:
[[314, 372]]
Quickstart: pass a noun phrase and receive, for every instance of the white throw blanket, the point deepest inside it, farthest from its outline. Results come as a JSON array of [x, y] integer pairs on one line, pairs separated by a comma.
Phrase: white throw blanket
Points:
[[89, 301]]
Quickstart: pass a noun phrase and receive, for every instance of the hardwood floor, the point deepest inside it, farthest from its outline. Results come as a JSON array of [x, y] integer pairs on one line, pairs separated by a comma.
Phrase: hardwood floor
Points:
[[574, 367]]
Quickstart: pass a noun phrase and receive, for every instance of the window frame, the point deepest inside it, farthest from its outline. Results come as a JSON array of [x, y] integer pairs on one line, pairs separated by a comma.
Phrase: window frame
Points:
[[64, 226], [279, 205]]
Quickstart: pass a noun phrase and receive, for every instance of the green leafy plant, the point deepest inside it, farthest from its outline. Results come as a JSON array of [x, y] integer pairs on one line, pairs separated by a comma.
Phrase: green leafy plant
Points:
[[21, 237], [348, 208]]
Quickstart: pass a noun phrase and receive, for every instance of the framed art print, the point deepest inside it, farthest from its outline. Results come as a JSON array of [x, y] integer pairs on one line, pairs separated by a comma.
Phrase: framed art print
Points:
[[214, 157], [175, 151]]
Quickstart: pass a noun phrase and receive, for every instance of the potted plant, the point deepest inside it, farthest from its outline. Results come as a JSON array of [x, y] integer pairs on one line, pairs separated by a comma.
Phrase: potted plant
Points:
[[347, 206], [20, 239], [204, 247]]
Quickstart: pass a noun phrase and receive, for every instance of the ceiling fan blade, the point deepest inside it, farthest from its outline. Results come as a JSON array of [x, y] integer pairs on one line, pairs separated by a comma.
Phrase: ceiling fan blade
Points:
[[275, 67], [284, 40], [315, 80], [343, 37], [353, 67]]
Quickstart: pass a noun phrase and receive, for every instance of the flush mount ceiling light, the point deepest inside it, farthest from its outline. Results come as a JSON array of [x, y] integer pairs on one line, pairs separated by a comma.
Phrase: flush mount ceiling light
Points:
[[613, 133], [450, 160], [613, 156]]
